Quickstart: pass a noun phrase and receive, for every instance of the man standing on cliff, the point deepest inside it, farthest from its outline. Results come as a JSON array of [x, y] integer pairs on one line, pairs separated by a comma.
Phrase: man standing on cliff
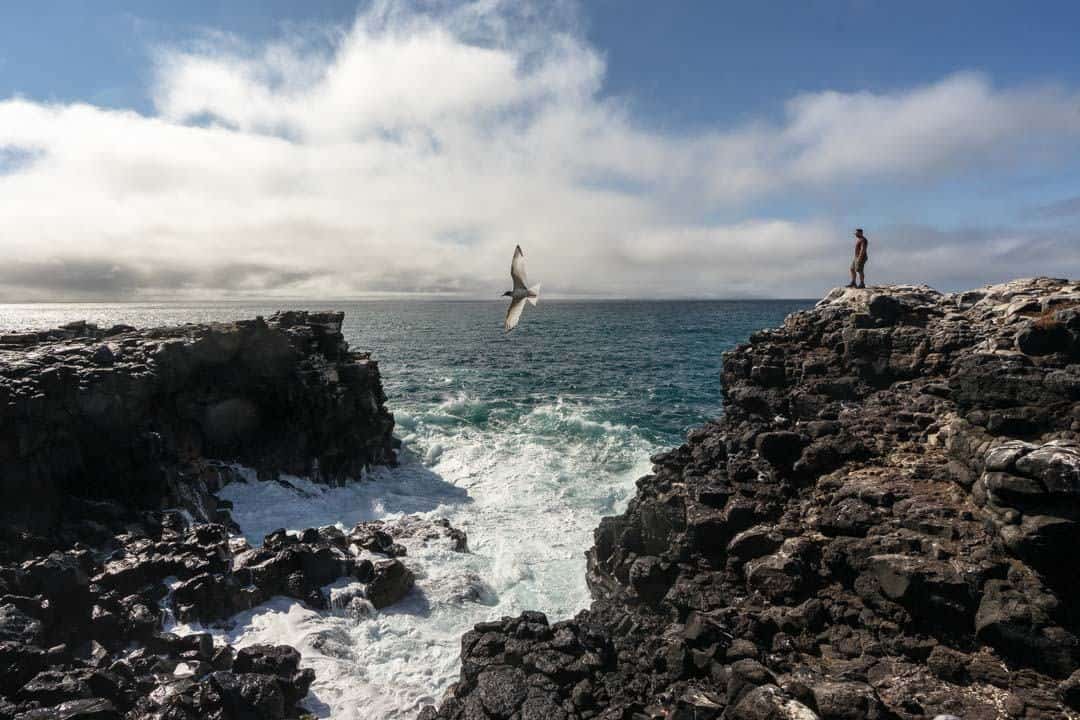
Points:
[[857, 265]]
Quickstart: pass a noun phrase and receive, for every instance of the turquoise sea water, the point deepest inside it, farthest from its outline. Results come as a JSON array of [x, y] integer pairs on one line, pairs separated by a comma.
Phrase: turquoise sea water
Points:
[[653, 365], [524, 440]]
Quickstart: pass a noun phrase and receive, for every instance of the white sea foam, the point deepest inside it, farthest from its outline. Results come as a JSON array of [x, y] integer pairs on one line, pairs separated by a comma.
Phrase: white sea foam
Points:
[[527, 492]]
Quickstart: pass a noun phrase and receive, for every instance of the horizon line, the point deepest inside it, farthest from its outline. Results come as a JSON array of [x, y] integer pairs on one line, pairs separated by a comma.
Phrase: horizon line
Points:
[[401, 297]]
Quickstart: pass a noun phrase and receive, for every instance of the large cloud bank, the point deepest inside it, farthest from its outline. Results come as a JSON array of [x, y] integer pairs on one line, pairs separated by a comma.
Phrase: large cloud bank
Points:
[[412, 150]]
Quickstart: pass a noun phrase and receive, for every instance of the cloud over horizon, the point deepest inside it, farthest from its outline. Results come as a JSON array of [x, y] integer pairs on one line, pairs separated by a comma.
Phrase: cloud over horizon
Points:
[[411, 151]]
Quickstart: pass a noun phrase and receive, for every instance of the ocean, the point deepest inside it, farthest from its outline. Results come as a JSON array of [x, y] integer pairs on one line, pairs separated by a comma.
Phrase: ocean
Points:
[[523, 440]]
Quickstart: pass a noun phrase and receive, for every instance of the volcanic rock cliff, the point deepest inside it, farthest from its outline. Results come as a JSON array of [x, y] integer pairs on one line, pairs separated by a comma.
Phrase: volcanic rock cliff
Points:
[[156, 417], [884, 524], [111, 445]]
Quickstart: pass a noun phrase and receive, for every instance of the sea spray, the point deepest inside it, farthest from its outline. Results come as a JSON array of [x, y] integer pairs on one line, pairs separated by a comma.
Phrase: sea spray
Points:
[[512, 482]]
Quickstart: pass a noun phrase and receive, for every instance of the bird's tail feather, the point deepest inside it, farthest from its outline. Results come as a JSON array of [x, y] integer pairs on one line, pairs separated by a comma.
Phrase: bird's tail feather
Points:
[[534, 294]]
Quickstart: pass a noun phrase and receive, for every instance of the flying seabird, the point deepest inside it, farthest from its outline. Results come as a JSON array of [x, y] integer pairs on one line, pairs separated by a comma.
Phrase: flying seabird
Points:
[[521, 291]]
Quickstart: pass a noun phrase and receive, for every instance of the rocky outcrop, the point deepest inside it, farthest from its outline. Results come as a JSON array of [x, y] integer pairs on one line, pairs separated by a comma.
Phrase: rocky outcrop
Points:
[[84, 629], [100, 432], [157, 417], [882, 525]]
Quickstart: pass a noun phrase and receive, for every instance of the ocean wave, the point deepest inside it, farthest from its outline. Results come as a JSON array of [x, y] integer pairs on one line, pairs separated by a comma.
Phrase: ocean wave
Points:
[[572, 422], [526, 478]]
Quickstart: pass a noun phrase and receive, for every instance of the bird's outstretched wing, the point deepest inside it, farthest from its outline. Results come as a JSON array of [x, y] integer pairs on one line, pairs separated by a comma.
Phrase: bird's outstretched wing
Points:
[[517, 270], [513, 313]]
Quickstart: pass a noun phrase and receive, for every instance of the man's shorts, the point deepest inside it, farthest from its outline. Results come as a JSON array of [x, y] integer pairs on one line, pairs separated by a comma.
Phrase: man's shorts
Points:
[[858, 264]]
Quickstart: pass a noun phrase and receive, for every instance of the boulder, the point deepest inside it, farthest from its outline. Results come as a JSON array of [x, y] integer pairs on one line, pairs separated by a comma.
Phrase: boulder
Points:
[[1044, 338], [743, 677], [648, 579], [501, 690], [754, 543], [847, 701], [781, 575], [1070, 690], [51, 687], [781, 448], [932, 589], [1056, 467], [18, 663], [279, 660], [885, 308], [88, 709], [390, 582], [1018, 623], [769, 702], [18, 627], [696, 704], [850, 516], [948, 665], [249, 695], [1002, 457]]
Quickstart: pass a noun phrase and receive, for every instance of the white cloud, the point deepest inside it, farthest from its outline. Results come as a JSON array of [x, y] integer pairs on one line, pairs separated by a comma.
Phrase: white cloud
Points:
[[951, 124], [411, 151]]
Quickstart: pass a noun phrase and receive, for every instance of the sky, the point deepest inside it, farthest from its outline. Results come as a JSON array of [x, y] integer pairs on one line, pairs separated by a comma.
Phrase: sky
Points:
[[261, 148]]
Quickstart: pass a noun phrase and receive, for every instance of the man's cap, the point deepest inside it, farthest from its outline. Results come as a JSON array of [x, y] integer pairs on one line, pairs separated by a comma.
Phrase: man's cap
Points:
[[858, 231]]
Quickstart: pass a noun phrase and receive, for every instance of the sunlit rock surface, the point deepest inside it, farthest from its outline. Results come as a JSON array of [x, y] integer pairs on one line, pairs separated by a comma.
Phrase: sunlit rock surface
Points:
[[884, 524]]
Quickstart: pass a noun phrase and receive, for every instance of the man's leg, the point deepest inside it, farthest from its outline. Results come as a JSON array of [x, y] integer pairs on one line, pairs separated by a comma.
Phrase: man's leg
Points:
[[852, 283], [862, 279]]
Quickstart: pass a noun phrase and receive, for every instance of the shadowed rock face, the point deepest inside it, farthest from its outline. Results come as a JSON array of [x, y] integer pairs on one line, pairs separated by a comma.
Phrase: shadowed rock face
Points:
[[155, 417], [102, 429], [884, 524]]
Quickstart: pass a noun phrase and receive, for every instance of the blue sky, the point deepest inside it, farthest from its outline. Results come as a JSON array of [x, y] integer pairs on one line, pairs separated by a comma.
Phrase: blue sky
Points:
[[941, 127], [690, 63]]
